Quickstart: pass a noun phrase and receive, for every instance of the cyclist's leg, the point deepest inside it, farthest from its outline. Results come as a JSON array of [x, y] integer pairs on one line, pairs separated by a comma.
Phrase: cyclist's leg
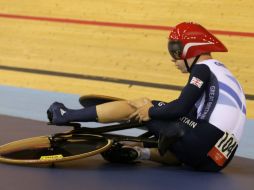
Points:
[[117, 110], [114, 111], [168, 158]]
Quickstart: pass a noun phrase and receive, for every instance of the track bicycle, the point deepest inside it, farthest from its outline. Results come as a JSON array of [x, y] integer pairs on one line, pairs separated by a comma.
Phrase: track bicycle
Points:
[[78, 143]]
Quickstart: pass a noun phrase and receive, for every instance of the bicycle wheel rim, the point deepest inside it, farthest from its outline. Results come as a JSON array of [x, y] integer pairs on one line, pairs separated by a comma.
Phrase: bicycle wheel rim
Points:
[[38, 150]]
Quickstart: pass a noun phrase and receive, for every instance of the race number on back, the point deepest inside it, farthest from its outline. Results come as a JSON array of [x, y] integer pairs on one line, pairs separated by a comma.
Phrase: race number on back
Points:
[[223, 149]]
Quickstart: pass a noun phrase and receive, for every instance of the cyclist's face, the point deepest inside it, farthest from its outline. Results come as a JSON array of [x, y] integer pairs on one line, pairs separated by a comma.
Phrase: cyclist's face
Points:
[[180, 65]]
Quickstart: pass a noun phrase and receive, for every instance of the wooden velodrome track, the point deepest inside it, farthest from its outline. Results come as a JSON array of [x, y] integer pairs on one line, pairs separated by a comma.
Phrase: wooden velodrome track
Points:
[[116, 48]]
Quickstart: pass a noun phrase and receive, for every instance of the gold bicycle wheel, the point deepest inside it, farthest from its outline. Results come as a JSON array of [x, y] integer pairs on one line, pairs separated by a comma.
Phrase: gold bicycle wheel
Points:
[[39, 150]]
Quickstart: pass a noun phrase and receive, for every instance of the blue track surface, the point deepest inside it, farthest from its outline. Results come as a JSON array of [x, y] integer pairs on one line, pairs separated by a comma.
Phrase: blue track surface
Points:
[[94, 173]]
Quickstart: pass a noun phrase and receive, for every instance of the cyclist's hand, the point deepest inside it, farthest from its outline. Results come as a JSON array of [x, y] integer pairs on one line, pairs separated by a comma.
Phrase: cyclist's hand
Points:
[[142, 112]]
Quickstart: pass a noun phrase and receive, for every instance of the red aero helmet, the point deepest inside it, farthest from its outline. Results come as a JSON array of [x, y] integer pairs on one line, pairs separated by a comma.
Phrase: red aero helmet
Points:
[[189, 39]]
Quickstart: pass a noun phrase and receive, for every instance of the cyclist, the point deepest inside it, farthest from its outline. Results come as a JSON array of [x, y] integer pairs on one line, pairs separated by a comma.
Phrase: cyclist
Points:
[[206, 121]]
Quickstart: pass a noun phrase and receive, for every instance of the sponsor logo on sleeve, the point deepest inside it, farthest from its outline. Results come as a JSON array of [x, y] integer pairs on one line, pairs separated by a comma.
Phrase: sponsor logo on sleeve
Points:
[[196, 82], [161, 104]]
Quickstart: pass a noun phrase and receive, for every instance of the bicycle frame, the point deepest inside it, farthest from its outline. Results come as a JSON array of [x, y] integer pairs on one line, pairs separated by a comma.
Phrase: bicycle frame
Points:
[[78, 131]]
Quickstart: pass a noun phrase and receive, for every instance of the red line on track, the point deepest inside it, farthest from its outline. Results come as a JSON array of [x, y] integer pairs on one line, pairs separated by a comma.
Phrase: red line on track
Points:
[[113, 24]]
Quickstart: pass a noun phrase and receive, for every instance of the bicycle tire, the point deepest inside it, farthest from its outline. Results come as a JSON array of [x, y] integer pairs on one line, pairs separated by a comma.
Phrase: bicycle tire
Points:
[[39, 150]]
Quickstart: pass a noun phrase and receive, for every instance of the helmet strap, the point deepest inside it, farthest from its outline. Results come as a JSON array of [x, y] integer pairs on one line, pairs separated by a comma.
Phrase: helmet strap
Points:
[[193, 63], [186, 65]]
